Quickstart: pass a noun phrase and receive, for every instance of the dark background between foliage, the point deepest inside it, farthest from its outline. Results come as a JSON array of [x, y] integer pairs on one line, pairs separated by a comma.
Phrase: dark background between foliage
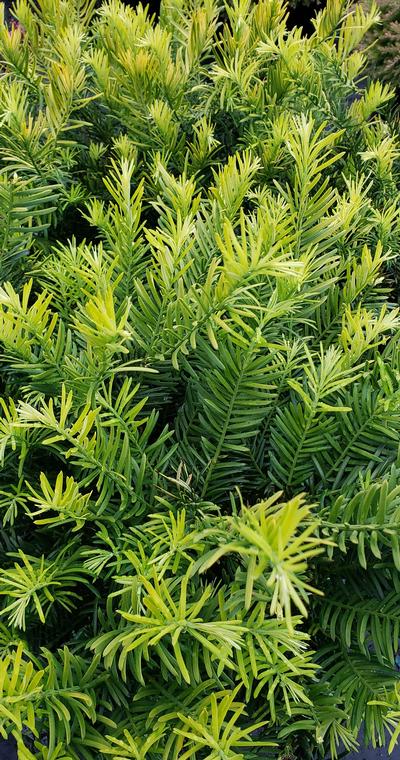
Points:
[[299, 16]]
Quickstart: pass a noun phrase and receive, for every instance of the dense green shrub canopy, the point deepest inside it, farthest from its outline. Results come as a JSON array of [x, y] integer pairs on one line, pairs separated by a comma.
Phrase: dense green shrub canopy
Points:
[[383, 41], [199, 367]]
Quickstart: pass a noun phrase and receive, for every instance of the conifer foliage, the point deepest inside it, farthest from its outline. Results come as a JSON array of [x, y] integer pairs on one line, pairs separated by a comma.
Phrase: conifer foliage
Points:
[[384, 42], [200, 384]]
